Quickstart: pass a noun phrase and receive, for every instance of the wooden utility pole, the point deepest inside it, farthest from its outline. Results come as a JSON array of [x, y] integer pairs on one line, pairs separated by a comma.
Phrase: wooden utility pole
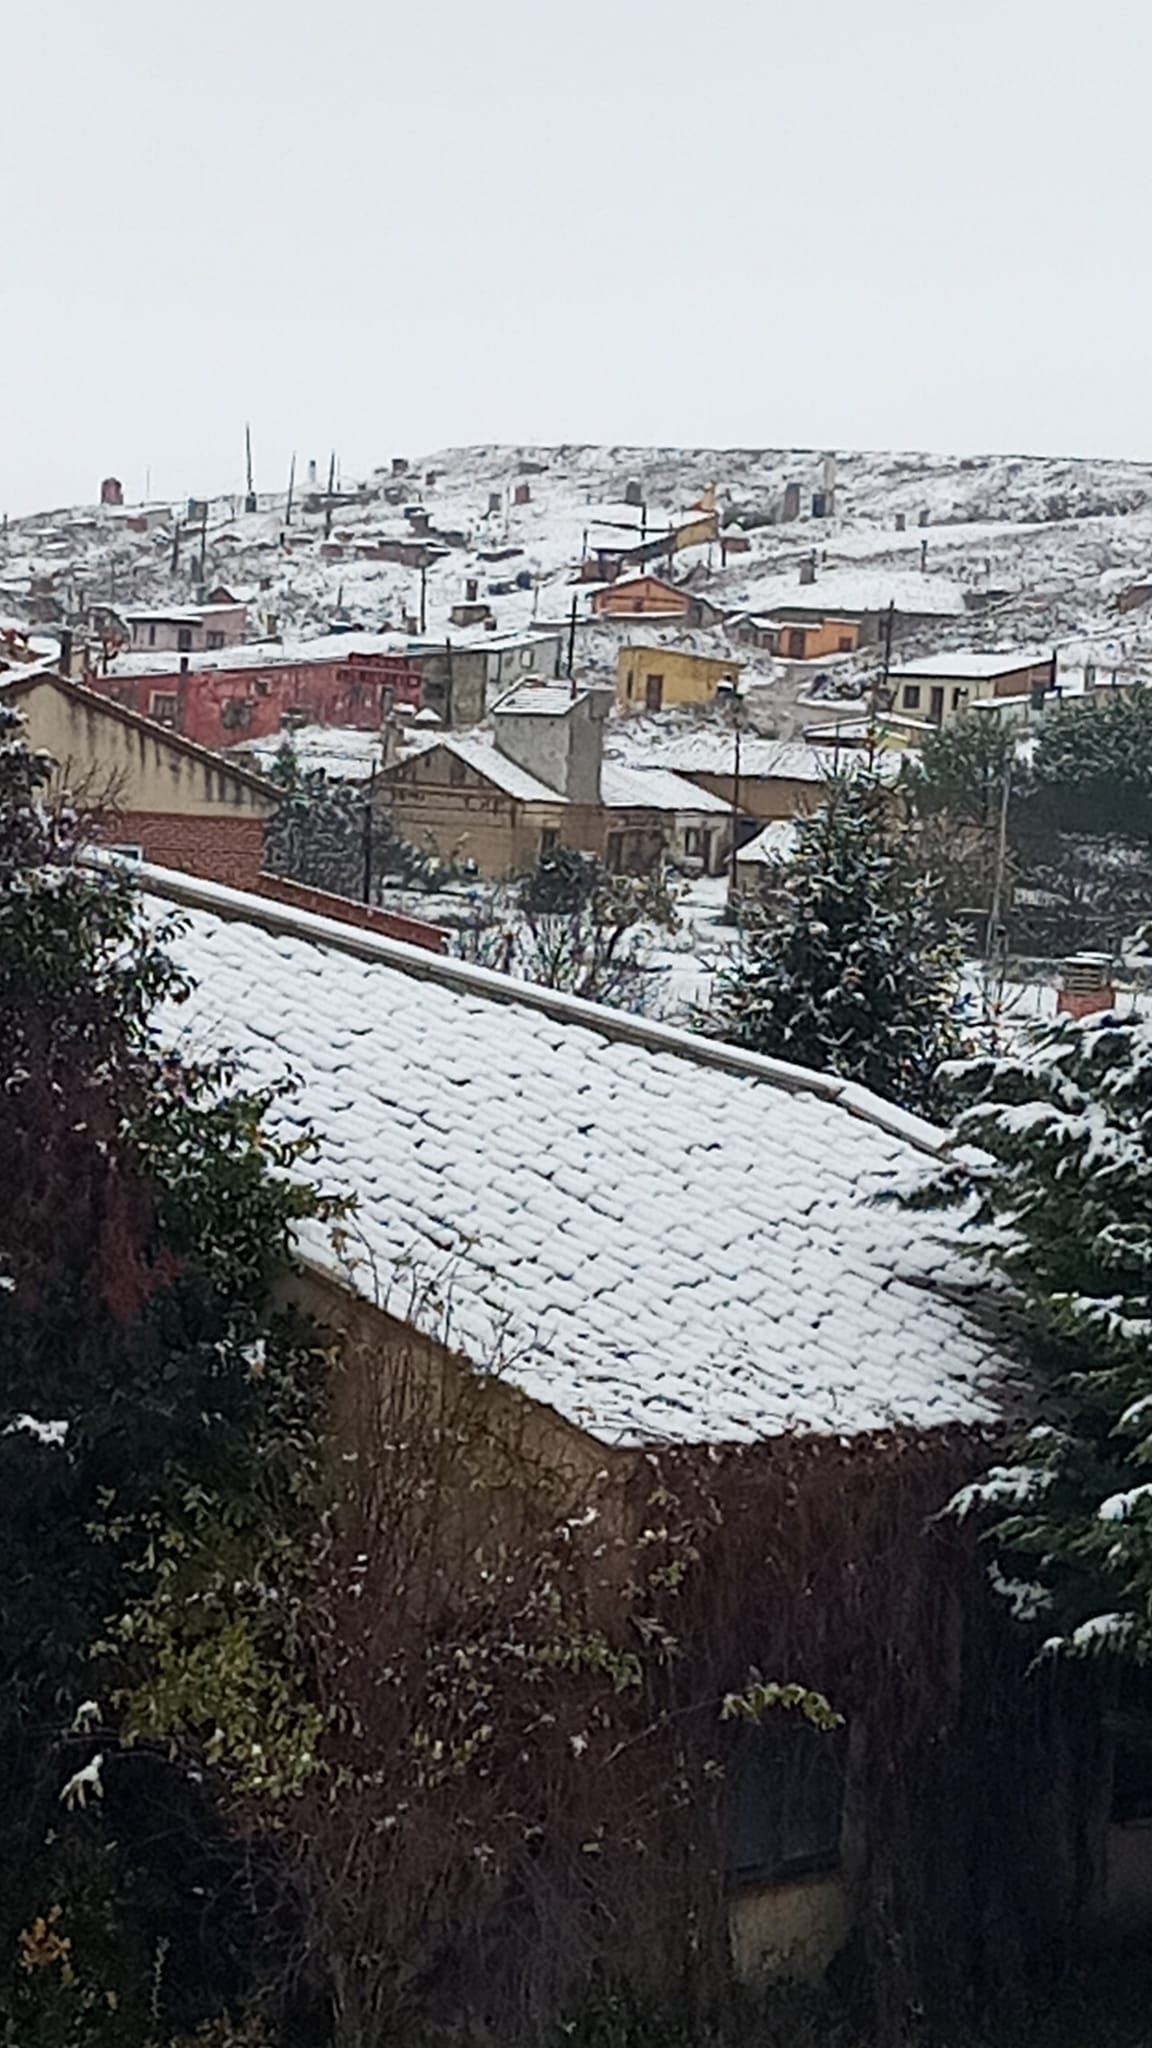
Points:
[[572, 644], [204, 542], [291, 488], [369, 819], [880, 684], [737, 734], [250, 500], [176, 531], [423, 596], [328, 497]]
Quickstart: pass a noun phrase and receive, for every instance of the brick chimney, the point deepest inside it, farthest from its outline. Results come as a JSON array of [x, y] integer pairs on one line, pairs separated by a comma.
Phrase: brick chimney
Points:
[[1086, 985]]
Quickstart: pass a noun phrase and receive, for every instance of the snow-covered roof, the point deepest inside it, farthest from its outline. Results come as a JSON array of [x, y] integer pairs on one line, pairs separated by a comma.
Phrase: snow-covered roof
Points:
[[659, 1237], [547, 699], [656, 789], [777, 841], [710, 750], [855, 588], [1001, 661], [480, 752], [259, 653]]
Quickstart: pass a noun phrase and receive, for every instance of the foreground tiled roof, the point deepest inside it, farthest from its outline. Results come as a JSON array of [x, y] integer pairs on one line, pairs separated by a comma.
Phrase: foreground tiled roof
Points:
[[659, 1237]]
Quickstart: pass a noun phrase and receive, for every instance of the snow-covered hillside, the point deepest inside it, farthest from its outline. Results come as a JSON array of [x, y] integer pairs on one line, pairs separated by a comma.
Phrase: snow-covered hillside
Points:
[[1002, 549]]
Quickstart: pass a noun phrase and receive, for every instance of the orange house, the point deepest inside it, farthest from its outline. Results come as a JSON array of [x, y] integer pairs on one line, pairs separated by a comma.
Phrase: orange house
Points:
[[648, 597]]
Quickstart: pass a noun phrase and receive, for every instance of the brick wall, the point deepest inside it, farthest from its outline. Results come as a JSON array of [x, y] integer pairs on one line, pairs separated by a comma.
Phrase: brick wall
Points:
[[221, 849], [413, 930]]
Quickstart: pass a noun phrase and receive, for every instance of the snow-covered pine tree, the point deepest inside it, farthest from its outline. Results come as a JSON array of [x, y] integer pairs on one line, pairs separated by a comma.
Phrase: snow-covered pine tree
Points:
[[845, 969], [1064, 1174]]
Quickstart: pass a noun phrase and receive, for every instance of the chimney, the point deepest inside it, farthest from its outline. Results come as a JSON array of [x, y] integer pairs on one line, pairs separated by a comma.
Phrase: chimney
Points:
[[65, 652], [471, 589], [1086, 985], [556, 737]]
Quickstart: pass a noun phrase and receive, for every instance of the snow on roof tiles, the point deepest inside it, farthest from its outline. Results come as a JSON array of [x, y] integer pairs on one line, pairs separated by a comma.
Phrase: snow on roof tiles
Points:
[[1002, 661], [659, 1237], [656, 789]]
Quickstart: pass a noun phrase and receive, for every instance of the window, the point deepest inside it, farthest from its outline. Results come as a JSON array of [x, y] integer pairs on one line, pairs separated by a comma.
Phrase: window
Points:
[[783, 1801], [151, 636], [936, 702], [126, 852], [844, 644], [911, 696], [630, 684], [184, 639], [549, 838], [214, 640], [653, 693], [163, 706], [695, 842], [959, 696]]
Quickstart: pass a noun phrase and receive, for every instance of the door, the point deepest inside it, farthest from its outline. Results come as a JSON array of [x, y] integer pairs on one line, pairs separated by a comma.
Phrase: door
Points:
[[653, 693], [797, 644], [936, 703]]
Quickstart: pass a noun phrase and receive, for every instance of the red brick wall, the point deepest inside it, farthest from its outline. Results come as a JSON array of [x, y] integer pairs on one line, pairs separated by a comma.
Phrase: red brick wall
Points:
[[224, 707], [412, 930], [221, 849]]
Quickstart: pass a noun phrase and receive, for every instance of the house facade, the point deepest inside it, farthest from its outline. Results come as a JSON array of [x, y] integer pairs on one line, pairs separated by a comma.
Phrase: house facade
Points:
[[940, 687], [188, 629], [150, 792], [340, 680], [656, 678]]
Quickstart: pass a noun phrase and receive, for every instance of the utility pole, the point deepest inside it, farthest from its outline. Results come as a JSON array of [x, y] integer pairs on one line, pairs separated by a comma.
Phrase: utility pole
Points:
[[176, 531], [993, 935], [204, 543], [250, 500], [572, 644], [880, 684], [369, 813], [328, 499], [423, 596], [291, 488], [737, 734]]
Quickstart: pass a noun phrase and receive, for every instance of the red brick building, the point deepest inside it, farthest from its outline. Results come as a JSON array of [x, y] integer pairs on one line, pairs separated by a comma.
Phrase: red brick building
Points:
[[255, 692]]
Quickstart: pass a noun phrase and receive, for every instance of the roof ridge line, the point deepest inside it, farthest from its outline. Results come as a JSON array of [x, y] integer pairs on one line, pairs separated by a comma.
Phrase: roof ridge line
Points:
[[197, 893]]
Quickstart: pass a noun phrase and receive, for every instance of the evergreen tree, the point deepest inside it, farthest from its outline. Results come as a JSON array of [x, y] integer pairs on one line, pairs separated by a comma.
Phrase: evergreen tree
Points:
[[1064, 1174], [843, 970], [156, 1438]]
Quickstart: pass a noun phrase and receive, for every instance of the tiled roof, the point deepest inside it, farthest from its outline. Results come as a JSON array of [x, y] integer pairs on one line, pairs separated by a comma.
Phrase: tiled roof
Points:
[[655, 789], [659, 1237]]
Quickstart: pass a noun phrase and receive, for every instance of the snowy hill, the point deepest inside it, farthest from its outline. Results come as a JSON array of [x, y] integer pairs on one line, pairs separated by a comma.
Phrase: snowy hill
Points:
[[1000, 548]]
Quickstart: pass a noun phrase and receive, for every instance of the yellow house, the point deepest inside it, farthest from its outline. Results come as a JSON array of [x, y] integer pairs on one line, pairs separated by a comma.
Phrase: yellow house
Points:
[[660, 678]]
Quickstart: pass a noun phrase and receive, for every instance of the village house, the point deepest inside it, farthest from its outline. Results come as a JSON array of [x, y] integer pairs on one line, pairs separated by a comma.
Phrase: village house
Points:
[[188, 629], [462, 676], [940, 687], [674, 1277], [539, 780], [797, 639], [651, 597], [222, 700], [777, 778], [663, 676], [151, 793]]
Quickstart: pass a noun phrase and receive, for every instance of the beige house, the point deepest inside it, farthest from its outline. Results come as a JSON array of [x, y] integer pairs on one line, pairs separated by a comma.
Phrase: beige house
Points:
[[940, 687], [539, 780], [151, 792]]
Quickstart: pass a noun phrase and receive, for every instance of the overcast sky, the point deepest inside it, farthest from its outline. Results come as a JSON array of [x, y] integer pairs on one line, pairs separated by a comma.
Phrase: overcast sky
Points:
[[387, 228]]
